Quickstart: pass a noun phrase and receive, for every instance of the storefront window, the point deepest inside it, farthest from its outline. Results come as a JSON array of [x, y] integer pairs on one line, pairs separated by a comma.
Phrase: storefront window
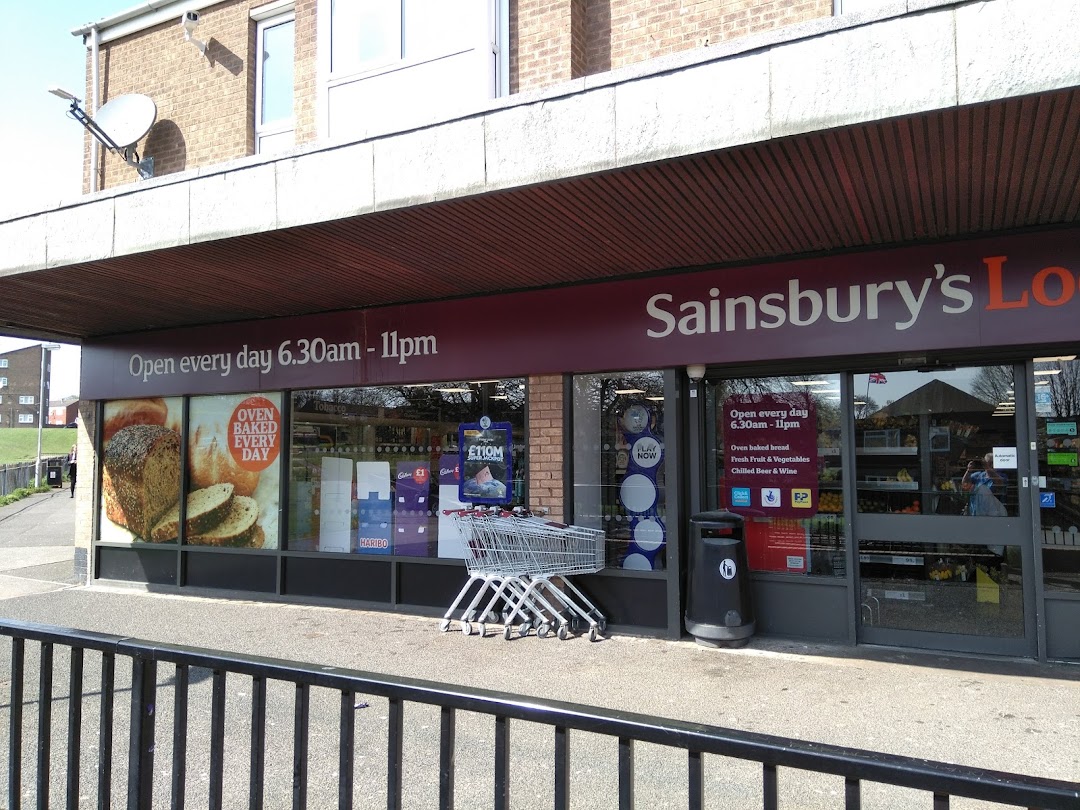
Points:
[[140, 477], [777, 462], [374, 469], [234, 470], [1057, 415], [942, 588], [618, 465], [937, 443]]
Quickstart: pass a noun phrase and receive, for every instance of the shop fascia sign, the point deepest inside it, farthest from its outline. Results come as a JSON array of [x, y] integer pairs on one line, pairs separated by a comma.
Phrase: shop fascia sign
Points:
[[992, 292]]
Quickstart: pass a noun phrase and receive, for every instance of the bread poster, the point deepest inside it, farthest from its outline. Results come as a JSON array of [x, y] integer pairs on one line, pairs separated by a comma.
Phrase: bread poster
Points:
[[141, 467], [234, 470]]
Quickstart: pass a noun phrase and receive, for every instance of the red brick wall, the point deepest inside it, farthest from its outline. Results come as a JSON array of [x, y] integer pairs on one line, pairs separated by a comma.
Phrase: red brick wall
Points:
[[205, 104], [546, 430]]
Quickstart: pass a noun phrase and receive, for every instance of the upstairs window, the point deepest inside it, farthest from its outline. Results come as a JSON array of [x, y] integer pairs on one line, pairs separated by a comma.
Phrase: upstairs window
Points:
[[3, 362], [3, 382], [274, 82], [26, 399]]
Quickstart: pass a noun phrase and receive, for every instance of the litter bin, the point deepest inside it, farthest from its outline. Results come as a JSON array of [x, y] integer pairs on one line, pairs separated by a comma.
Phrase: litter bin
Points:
[[719, 612], [54, 475]]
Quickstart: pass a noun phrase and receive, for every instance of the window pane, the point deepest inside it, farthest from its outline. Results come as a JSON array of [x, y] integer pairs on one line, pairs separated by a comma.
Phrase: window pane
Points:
[[619, 465], [1057, 417], [374, 468], [277, 76], [437, 27], [777, 462], [924, 442], [364, 34]]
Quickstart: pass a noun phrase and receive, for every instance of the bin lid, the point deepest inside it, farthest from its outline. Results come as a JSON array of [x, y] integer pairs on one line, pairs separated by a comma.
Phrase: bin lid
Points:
[[720, 517]]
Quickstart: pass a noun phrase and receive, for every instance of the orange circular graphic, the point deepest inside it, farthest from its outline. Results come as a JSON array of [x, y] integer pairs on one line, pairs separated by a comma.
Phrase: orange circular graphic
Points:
[[420, 475], [255, 433]]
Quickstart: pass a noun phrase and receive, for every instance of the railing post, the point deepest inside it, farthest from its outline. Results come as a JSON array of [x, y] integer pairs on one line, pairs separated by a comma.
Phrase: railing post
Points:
[[769, 787], [446, 758], [141, 745], [502, 762], [74, 751], [217, 739], [346, 748], [300, 746], [626, 773], [179, 746], [852, 799], [696, 780], [44, 741], [562, 768], [105, 732], [258, 742], [394, 748], [15, 720]]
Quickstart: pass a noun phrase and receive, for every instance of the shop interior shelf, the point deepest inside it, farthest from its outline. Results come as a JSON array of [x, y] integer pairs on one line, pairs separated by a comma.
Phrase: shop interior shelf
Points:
[[886, 451], [889, 485]]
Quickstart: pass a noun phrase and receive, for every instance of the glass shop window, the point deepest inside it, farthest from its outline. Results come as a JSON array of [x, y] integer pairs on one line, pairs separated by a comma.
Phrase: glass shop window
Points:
[[619, 483], [1057, 416], [374, 469], [776, 460]]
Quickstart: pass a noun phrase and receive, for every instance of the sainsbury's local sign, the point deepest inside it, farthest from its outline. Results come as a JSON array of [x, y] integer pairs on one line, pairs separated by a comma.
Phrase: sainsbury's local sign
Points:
[[973, 294]]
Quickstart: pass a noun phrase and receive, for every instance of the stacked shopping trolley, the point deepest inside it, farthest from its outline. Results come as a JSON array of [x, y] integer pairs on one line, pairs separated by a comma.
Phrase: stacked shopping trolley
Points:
[[519, 567]]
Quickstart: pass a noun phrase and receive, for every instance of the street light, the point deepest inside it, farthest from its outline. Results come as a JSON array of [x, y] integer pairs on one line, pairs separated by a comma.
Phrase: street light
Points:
[[42, 408]]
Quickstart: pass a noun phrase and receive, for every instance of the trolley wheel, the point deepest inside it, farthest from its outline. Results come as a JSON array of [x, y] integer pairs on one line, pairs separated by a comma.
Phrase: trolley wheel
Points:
[[543, 630], [508, 631], [466, 627], [524, 628], [481, 629], [444, 625], [593, 635], [492, 616], [506, 617], [564, 632], [602, 626]]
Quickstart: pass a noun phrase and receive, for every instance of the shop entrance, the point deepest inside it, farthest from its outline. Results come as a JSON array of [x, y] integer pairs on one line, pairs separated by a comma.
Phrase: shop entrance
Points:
[[942, 524]]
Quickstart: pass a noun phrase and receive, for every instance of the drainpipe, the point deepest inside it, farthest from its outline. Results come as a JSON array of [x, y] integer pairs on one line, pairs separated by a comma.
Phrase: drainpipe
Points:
[[837, 10], [95, 98]]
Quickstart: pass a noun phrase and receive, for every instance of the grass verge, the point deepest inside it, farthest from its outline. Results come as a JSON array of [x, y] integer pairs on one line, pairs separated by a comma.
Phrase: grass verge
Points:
[[24, 492]]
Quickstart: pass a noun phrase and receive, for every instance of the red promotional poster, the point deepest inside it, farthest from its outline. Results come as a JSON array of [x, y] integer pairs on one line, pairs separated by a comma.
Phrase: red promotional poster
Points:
[[777, 545], [770, 451]]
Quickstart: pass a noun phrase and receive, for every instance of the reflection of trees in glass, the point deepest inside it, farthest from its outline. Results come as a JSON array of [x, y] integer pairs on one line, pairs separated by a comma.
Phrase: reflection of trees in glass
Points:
[[452, 401], [993, 384], [1065, 389]]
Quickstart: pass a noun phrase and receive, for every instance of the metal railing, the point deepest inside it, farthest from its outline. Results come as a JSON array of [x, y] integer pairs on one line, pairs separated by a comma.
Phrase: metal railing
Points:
[[20, 476], [855, 767]]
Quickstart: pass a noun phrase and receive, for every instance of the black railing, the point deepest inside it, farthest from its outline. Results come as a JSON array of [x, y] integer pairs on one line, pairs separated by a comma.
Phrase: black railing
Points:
[[855, 767]]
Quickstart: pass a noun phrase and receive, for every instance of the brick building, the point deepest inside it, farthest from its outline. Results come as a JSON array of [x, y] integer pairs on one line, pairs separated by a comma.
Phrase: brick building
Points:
[[811, 262], [20, 386]]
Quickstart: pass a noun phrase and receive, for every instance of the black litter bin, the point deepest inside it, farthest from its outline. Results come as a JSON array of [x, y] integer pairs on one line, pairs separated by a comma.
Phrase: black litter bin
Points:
[[719, 612], [54, 474]]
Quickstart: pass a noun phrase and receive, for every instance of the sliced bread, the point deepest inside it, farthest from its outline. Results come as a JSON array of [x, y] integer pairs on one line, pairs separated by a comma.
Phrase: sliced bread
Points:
[[235, 529], [206, 508], [141, 477]]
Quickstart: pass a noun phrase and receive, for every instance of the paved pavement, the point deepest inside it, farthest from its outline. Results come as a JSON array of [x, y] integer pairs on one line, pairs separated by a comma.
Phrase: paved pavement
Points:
[[1007, 715]]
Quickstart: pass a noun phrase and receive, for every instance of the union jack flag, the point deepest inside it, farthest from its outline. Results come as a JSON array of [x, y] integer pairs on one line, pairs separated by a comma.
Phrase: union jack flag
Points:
[[878, 377]]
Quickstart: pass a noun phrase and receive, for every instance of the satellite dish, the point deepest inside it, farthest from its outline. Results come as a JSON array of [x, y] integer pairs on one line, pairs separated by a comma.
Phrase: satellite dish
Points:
[[126, 119], [119, 125]]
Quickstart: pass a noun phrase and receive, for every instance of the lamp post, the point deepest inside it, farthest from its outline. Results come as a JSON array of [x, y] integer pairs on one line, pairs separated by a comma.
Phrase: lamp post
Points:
[[42, 409]]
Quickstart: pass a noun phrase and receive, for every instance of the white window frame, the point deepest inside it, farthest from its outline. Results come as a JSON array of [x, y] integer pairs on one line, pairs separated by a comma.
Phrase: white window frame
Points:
[[26, 399], [26, 419], [3, 382], [266, 17], [3, 362], [494, 43]]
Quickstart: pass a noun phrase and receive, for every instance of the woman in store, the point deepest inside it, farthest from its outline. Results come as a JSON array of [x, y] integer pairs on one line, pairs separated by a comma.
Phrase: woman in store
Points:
[[984, 482]]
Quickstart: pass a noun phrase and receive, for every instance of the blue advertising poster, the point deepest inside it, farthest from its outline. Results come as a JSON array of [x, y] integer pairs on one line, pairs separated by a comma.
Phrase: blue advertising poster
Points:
[[374, 507], [485, 458]]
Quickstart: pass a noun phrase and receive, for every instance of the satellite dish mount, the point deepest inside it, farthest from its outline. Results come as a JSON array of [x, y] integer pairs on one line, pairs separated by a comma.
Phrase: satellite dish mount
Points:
[[118, 126]]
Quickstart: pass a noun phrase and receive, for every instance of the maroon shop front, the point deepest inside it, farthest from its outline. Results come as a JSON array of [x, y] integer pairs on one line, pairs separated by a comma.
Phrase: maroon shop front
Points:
[[315, 419]]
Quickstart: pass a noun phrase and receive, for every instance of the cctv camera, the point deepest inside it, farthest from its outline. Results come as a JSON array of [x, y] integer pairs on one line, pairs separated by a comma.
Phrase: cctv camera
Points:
[[189, 20]]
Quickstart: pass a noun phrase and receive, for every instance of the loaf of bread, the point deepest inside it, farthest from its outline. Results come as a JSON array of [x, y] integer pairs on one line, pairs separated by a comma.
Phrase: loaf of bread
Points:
[[206, 508], [122, 413], [238, 528], [141, 477]]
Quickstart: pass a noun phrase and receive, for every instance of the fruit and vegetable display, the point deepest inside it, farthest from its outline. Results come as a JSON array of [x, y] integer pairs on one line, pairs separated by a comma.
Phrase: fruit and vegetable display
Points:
[[832, 502]]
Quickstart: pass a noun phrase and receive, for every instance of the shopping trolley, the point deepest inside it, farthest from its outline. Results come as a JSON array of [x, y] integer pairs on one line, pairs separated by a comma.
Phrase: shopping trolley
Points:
[[522, 564]]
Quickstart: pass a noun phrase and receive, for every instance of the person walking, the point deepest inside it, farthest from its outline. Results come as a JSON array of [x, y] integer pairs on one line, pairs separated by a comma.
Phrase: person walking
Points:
[[72, 466]]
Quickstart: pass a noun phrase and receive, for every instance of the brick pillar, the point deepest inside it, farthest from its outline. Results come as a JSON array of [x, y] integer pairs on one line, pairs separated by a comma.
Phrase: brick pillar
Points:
[[548, 43], [546, 431], [85, 477]]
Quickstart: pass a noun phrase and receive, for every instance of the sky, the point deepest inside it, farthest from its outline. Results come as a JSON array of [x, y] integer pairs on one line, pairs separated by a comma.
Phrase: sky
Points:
[[44, 146]]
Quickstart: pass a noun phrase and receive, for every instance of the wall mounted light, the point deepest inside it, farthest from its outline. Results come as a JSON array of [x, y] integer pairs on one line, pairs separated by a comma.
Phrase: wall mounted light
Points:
[[695, 371]]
